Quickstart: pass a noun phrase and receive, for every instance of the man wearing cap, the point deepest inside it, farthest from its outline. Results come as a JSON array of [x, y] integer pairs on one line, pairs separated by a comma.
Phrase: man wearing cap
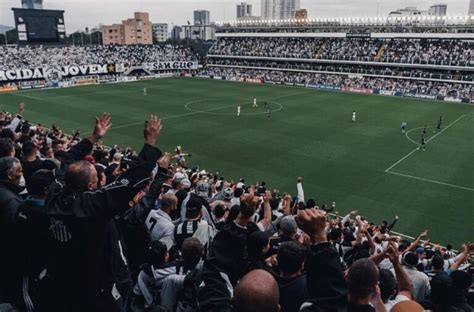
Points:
[[193, 225], [202, 191], [287, 233], [419, 281]]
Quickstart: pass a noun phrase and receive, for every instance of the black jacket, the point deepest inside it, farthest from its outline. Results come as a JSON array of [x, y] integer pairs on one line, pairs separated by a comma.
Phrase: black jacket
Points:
[[134, 230], [78, 260], [9, 203], [292, 292], [327, 290]]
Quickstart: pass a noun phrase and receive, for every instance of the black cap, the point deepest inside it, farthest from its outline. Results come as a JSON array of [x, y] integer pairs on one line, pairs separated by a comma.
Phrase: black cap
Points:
[[193, 207]]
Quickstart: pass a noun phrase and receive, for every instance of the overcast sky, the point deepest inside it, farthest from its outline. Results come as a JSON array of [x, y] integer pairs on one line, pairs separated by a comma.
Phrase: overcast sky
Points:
[[82, 13]]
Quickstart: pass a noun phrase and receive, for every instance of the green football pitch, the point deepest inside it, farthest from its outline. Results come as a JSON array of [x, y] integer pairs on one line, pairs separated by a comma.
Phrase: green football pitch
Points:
[[368, 165]]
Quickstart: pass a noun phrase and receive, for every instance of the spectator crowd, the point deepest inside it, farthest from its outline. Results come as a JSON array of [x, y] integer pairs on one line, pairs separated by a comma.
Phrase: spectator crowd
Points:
[[18, 57], [404, 86], [85, 227], [406, 51]]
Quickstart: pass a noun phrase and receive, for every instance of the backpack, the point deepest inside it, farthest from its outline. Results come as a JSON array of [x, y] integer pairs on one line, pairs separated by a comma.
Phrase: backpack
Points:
[[188, 296]]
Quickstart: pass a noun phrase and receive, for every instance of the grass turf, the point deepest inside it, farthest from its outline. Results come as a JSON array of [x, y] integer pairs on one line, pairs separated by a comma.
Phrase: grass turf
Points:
[[309, 133]]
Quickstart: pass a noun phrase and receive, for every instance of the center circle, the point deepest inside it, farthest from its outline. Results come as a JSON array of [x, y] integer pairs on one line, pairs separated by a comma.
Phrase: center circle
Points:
[[218, 107]]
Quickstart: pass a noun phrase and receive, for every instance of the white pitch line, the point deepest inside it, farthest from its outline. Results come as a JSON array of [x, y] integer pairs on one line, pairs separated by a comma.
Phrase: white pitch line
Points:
[[427, 141], [27, 96], [410, 139], [432, 181]]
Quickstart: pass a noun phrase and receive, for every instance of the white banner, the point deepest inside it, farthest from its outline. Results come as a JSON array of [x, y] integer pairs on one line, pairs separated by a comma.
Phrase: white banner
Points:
[[174, 65]]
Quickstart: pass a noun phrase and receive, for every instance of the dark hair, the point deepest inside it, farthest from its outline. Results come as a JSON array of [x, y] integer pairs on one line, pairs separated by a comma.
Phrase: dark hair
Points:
[[39, 182], [256, 242], [291, 256], [57, 142], [233, 213], [387, 284], [247, 211], [6, 147], [219, 211], [7, 133], [44, 150], [156, 253], [78, 175], [28, 149], [437, 262], [192, 252], [310, 203], [363, 276]]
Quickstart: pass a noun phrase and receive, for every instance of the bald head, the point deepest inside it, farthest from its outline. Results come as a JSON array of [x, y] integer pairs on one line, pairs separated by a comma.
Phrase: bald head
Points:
[[169, 202], [257, 292], [81, 176]]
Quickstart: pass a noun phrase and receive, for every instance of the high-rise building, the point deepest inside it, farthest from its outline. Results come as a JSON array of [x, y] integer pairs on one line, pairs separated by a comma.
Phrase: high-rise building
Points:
[[177, 33], [160, 31], [32, 4], [471, 8], [244, 10], [201, 17], [287, 9], [136, 30], [268, 9], [438, 9], [279, 9]]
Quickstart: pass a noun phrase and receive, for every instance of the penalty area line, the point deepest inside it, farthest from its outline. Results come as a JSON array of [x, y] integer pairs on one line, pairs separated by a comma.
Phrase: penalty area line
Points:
[[431, 181]]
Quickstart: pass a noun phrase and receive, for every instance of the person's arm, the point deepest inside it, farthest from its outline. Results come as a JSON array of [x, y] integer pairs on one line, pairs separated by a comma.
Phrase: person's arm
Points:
[[114, 198], [138, 214], [363, 229], [462, 257], [325, 278], [299, 188], [267, 210], [417, 241], [404, 284], [84, 147], [348, 217], [287, 205], [390, 227]]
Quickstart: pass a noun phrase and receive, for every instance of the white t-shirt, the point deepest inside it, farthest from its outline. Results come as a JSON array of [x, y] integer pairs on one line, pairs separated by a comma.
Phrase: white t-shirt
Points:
[[391, 303]]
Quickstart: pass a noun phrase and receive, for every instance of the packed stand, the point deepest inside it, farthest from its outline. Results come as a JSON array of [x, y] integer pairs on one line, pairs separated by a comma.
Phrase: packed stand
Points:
[[85, 227], [31, 57], [380, 70], [409, 51], [420, 87]]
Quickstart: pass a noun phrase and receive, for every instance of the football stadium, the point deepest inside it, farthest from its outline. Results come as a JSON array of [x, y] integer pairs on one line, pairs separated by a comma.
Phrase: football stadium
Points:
[[284, 164]]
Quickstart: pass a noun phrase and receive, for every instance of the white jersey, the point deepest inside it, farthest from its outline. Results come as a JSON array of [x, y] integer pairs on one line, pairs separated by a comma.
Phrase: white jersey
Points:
[[238, 110], [354, 116], [144, 91], [254, 102]]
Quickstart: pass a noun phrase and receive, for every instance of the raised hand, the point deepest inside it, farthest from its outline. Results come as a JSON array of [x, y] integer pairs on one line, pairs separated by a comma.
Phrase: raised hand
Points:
[[152, 129], [393, 253], [164, 161], [267, 197], [102, 125], [313, 222]]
